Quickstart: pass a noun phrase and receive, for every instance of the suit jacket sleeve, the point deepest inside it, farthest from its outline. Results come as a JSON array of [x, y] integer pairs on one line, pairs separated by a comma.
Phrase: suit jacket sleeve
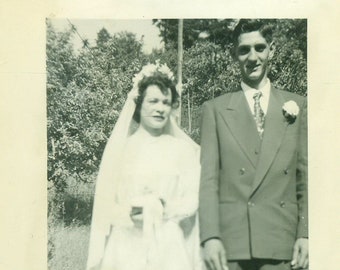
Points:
[[302, 176], [208, 194]]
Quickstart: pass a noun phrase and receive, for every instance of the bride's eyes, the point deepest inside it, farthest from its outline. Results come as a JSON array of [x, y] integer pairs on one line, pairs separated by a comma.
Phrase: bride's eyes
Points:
[[167, 102], [155, 101]]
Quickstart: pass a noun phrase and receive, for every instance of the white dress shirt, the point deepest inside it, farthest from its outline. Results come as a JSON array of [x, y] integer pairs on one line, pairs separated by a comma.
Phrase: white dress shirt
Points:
[[249, 94]]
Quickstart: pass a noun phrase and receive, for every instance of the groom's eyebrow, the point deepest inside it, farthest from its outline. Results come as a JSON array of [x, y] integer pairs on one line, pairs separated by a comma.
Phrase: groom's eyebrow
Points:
[[246, 48]]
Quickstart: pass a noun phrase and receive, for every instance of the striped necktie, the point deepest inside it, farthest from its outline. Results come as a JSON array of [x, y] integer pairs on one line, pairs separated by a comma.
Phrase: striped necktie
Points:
[[258, 114]]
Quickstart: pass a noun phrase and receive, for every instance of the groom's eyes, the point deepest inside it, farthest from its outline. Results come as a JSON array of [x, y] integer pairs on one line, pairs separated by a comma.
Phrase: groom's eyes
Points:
[[260, 47], [242, 50]]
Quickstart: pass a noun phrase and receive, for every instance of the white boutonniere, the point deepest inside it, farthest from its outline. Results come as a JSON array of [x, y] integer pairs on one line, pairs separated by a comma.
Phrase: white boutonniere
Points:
[[290, 111]]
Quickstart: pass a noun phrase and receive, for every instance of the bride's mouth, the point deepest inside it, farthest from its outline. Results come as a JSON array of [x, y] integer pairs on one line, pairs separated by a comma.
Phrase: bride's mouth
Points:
[[158, 117]]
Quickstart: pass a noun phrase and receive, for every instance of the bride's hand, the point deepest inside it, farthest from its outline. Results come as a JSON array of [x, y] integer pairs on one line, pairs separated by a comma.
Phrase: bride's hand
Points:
[[150, 205], [137, 220]]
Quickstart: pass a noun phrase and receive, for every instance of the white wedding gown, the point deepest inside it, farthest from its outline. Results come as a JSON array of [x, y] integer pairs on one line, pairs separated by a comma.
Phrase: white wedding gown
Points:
[[156, 167]]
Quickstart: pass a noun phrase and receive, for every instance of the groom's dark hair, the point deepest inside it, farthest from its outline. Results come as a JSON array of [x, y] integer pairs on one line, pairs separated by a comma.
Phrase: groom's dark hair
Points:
[[252, 25]]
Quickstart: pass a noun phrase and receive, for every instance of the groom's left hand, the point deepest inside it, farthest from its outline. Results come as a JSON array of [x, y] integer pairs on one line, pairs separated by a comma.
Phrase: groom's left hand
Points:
[[300, 254]]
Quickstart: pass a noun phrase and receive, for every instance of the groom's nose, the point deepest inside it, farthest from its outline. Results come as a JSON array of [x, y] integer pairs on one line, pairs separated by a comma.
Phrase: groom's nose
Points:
[[252, 55]]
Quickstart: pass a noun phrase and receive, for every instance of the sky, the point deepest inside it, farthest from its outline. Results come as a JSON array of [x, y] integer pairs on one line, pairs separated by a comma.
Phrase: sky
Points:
[[89, 28]]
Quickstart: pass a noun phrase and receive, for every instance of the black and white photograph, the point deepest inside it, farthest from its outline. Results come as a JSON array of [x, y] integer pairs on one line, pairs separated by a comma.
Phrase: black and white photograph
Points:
[[181, 143], [187, 136]]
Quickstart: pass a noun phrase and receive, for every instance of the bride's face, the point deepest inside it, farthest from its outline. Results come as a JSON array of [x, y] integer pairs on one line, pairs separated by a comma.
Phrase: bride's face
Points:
[[155, 109]]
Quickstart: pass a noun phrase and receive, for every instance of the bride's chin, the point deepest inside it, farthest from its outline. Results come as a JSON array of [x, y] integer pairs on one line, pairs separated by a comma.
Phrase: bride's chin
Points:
[[159, 125]]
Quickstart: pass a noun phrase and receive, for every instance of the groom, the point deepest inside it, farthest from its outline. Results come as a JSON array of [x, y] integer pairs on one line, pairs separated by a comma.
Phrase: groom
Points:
[[253, 193]]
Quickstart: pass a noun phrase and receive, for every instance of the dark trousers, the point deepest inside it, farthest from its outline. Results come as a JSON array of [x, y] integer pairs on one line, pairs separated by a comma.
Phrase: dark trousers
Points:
[[259, 264]]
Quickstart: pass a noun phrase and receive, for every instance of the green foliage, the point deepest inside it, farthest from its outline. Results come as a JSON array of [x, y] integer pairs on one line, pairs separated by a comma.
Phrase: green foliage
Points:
[[294, 31], [289, 69], [216, 31], [60, 58], [86, 91], [168, 31], [70, 247], [103, 37], [289, 64], [208, 71]]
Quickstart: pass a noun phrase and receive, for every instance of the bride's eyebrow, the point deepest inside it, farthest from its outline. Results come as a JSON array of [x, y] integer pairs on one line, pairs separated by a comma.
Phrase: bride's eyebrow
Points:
[[152, 99]]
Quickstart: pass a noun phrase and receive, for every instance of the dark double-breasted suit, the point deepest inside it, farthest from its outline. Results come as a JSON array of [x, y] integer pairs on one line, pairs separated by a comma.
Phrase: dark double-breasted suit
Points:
[[253, 192]]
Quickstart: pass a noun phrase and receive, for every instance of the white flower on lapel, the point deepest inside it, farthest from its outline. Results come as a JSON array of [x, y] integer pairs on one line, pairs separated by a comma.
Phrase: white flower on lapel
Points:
[[290, 111]]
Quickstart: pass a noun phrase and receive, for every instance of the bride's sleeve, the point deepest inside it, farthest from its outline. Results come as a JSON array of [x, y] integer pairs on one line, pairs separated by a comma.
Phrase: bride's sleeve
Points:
[[186, 203], [107, 213]]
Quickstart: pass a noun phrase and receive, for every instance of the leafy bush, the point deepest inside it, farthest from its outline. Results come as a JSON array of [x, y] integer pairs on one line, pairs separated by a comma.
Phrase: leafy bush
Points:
[[85, 93], [70, 248], [87, 89]]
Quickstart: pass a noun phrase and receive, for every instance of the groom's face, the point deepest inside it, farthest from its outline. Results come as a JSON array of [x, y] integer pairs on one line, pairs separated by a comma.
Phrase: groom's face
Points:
[[253, 53]]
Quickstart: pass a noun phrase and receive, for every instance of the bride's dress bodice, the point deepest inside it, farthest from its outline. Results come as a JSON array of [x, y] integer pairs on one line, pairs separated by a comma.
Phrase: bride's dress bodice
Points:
[[151, 166], [161, 167], [164, 168]]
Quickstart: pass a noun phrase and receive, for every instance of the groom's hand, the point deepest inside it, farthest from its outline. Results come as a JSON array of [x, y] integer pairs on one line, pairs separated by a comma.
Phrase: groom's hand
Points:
[[214, 255], [300, 254]]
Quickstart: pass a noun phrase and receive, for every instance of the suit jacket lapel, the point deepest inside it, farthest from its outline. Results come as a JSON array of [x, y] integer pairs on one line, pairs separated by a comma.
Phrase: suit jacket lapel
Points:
[[274, 131], [238, 117]]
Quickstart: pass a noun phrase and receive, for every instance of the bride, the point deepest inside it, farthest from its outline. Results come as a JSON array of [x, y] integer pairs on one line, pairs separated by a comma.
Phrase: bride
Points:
[[144, 214]]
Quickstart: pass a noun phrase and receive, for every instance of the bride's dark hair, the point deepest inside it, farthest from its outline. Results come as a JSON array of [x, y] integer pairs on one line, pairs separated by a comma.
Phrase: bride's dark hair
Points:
[[163, 82]]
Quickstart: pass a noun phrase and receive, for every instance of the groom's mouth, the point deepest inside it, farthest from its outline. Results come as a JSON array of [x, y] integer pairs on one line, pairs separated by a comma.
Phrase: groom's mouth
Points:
[[252, 68]]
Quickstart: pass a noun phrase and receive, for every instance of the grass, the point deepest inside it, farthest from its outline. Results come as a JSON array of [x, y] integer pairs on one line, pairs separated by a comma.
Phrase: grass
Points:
[[70, 247]]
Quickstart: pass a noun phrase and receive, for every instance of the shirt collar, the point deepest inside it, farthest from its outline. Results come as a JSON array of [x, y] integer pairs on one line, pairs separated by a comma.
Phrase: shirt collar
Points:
[[249, 90]]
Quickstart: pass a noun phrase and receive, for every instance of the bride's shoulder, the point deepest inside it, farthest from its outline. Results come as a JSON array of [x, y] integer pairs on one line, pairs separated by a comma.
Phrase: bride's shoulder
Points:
[[187, 153], [132, 139], [173, 140], [181, 145]]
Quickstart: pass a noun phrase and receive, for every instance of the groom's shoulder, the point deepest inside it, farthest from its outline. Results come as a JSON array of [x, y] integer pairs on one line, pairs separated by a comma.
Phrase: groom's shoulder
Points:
[[292, 96], [220, 100]]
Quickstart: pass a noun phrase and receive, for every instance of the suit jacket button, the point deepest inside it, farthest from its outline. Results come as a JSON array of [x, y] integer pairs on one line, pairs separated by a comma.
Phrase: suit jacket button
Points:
[[242, 171], [282, 204], [256, 152], [286, 171], [251, 204]]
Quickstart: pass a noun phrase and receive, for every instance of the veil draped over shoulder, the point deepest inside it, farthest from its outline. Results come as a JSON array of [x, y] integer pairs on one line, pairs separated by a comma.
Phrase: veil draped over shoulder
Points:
[[105, 214]]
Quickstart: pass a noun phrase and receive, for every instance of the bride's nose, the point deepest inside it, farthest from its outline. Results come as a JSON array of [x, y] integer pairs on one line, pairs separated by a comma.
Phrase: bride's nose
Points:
[[160, 107]]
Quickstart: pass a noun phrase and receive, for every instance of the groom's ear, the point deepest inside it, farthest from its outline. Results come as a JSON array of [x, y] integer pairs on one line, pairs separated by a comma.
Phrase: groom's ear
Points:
[[233, 52], [272, 47]]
